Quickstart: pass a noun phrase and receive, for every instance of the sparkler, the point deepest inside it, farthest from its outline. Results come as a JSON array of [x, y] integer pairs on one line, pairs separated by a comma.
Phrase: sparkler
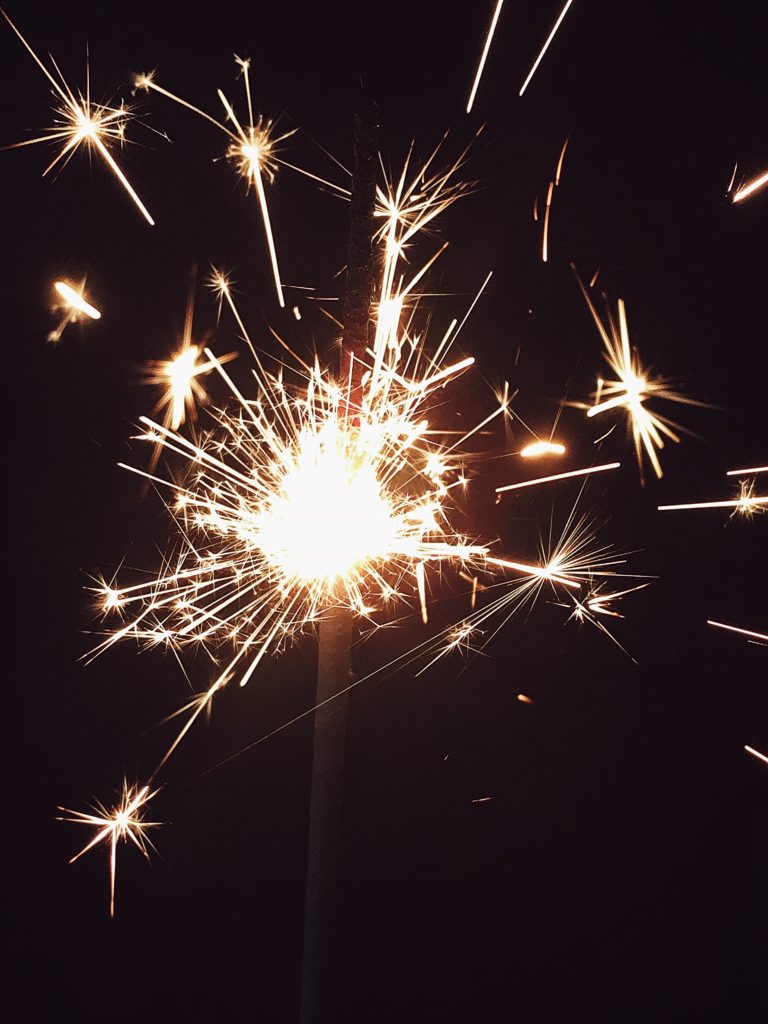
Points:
[[112, 825], [545, 47], [483, 58], [633, 388], [80, 121]]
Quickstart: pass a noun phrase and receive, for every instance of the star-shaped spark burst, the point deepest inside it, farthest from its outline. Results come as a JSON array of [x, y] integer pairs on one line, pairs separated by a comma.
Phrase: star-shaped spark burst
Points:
[[80, 121], [596, 604], [122, 822], [252, 147], [632, 388]]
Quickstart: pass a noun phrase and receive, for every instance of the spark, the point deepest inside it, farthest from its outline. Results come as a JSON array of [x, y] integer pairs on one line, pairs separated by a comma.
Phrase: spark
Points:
[[597, 603], [745, 472], [756, 753], [525, 699], [576, 560], [545, 47], [747, 504], [753, 186], [738, 629], [112, 825], [538, 448], [559, 476], [633, 388], [545, 232], [76, 300], [253, 147], [73, 303], [486, 48], [79, 121]]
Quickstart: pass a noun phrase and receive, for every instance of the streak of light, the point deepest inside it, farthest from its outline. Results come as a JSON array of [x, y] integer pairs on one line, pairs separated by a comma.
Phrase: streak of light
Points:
[[81, 121], [559, 476], [753, 186], [593, 279], [486, 48], [537, 448], [525, 699], [745, 504], [738, 629], [745, 472], [112, 825], [733, 178], [545, 232], [756, 753], [559, 169], [545, 47]]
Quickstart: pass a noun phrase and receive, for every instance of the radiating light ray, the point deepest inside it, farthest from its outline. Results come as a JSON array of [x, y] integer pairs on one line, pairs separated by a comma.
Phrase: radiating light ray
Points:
[[752, 186], [745, 472], [545, 47], [738, 629], [484, 57], [536, 449], [79, 121], [559, 476], [122, 822], [633, 388], [756, 753]]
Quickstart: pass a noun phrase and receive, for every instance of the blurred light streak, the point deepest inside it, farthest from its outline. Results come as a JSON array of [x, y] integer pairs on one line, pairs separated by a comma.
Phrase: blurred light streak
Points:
[[559, 476], [484, 56], [545, 47]]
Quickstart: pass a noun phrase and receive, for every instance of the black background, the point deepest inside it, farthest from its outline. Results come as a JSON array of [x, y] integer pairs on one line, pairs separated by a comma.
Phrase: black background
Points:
[[618, 873]]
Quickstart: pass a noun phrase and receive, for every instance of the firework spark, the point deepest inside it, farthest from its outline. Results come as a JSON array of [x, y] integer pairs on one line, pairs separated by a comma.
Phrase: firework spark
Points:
[[559, 476], [596, 604], [747, 504], [122, 822], [738, 629], [74, 303], [536, 449], [545, 47], [756, 753], [752, 186], [633, 388], [484, 57], [253, 147], [745, 472], [80, 121]]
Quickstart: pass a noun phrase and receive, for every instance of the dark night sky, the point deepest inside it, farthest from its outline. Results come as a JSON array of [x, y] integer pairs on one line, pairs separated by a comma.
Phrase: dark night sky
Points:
[[619, 873]]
